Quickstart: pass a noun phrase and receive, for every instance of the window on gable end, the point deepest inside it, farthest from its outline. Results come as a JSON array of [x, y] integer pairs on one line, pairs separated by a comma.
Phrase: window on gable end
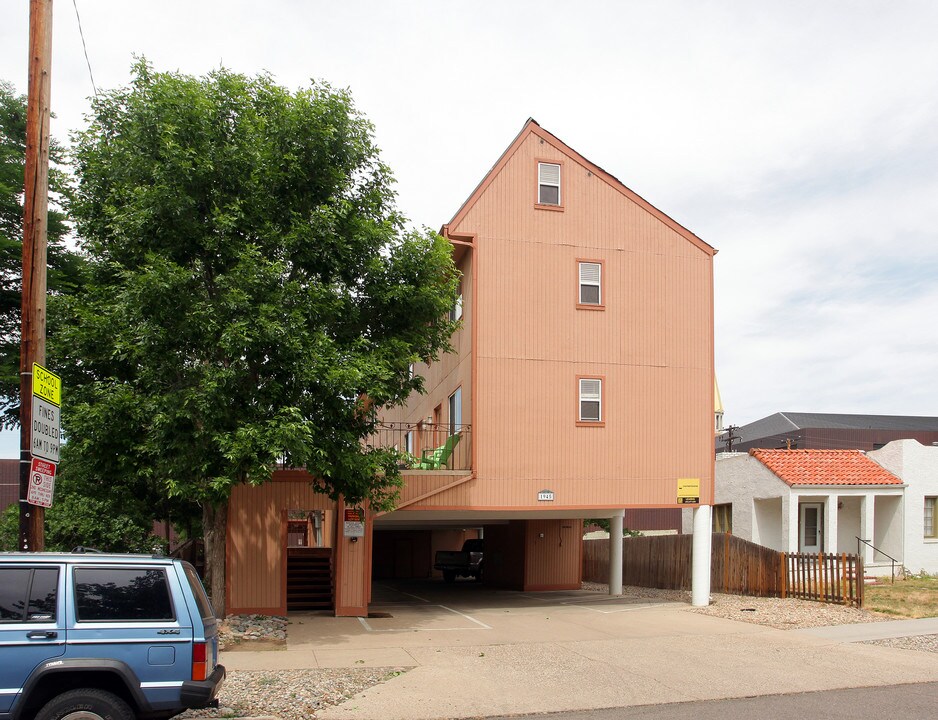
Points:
[[591, 276], [591, 400], [548, 183]]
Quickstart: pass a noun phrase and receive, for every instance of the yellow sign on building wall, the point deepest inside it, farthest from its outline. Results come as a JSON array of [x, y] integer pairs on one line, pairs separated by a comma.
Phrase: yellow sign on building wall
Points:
[[688, 491]]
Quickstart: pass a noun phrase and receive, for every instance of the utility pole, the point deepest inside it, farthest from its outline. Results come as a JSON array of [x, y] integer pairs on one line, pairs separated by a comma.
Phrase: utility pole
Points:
[[730, 437], [35, 218]]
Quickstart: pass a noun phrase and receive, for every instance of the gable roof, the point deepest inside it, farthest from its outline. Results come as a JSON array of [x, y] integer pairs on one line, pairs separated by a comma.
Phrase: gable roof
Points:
[[824, 467], [531, 127]]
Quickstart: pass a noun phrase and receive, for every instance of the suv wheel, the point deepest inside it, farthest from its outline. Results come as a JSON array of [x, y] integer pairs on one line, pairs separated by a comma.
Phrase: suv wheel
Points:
[[86, 704]]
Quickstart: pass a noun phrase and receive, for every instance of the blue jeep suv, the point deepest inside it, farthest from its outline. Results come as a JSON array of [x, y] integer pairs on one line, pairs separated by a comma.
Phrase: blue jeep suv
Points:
[[109, 637]]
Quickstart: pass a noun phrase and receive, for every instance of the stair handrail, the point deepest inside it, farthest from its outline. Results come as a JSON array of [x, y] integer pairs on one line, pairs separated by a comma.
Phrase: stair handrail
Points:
[[876, 549]]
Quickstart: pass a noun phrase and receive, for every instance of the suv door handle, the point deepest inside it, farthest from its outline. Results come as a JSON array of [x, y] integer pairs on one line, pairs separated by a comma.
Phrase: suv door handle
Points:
[[42, 635]]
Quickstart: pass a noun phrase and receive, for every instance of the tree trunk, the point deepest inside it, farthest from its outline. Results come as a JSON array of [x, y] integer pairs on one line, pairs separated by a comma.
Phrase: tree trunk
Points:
[[215, 532]]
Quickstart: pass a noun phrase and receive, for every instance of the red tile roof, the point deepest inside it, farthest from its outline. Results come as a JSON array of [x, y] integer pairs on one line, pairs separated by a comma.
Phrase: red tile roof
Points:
[[824, 467]]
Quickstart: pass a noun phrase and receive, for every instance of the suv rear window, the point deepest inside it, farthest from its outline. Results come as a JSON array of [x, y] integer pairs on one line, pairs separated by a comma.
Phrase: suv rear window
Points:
[[105, 594], [39, 585], [205, 607]]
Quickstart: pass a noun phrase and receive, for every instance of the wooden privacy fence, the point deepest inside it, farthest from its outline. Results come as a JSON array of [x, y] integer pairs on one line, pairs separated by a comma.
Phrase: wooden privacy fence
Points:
[[737, 566]]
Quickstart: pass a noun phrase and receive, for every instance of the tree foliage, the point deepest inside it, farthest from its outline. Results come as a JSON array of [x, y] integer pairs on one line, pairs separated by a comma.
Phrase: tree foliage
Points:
[[252, 295], [64, 265], [114, 519]]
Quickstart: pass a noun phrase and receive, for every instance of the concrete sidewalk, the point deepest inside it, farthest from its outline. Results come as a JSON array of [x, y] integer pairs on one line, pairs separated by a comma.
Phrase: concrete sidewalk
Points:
[[873, 631], [508, 653]]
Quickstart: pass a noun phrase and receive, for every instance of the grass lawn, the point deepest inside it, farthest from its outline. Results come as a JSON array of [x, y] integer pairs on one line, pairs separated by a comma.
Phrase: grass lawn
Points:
[[913, 598]]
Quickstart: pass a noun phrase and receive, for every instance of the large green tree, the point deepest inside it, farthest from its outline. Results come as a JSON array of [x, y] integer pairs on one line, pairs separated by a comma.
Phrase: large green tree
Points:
[[253, 296], [64, 265]]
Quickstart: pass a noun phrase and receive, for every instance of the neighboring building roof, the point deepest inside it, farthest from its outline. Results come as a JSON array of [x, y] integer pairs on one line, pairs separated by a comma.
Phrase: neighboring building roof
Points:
[[531, 127], [786, 422], [824, 467]]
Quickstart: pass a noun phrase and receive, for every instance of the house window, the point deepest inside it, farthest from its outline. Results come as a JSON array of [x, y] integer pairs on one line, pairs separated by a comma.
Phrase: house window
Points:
[[455, 411], [455, 312], [548, 184], [410, 371], [591, 275], [591, 400], [931, 518], [723, 518], [409, 442]]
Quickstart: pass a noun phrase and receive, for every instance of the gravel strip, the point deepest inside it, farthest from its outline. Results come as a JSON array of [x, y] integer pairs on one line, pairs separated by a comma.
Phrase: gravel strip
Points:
[[290, 694], [925, 643], [236, 629], [786, 614]]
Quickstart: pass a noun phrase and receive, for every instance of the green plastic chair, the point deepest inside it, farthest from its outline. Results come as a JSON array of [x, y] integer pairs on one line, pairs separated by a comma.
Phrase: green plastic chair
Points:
[[436, 458]]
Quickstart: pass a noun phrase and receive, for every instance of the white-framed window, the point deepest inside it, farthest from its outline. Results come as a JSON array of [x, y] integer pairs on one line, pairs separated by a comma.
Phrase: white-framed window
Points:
[[455, 312], [409, 442], [548, 183], [591, 400], [591, 279], [455, 411], [930, 518]]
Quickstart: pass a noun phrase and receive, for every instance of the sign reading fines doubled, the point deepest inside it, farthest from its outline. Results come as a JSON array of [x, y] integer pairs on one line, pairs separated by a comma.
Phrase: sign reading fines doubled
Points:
[[47, 397]]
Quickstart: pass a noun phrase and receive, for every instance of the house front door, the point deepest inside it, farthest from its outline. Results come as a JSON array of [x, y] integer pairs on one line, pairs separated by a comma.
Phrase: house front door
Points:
[[811, 527]]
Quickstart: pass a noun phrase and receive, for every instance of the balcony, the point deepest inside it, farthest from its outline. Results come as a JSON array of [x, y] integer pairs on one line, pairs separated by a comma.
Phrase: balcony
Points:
[[433, 446]]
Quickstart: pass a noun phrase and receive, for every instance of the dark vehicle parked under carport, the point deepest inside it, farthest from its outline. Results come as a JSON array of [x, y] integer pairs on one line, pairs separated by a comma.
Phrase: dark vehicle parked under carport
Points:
[[460, 563]]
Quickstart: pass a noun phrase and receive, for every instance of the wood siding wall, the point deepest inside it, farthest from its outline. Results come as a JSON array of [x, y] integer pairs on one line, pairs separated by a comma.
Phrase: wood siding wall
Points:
[[504, 557], [402, 554], [553, 554], [652, 344], [353, 570], [257, 536]]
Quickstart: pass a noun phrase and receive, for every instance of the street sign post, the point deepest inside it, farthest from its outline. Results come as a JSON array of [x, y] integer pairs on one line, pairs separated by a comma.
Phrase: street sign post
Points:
[[44, 436]]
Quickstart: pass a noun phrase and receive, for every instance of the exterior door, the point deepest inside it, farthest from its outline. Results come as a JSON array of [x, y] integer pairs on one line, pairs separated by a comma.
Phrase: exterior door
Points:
[[811, 526]]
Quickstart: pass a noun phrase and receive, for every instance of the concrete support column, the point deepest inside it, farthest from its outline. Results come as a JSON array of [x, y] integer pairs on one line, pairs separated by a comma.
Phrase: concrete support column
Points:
[[700, 557], [830, 525], [791, 529], [867, 529], [615, 553]]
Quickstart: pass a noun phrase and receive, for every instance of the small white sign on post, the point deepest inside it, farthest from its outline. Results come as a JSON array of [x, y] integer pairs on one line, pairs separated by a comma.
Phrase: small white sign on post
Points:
[[354, 523], [41, 483]]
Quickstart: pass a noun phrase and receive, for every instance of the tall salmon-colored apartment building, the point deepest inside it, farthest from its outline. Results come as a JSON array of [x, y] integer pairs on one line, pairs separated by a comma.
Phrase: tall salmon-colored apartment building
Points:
[[581, 385]]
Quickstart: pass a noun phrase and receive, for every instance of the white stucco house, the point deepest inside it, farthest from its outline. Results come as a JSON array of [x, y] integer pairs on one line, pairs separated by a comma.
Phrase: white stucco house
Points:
[[817, 501], [917, 466]]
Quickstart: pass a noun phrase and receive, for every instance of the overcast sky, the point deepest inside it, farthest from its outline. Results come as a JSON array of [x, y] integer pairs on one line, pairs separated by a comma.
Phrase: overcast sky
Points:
[[798, 138]]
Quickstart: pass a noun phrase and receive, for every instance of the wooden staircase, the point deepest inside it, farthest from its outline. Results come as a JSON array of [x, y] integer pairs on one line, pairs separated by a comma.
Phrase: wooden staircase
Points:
[[309, 579]]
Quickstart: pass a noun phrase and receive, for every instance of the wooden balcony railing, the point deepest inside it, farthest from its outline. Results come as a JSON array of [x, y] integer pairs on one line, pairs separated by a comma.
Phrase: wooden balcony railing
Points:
[[431, 446]]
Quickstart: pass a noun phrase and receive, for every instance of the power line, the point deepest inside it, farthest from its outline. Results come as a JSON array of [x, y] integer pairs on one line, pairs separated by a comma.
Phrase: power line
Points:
[[85, 48]]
